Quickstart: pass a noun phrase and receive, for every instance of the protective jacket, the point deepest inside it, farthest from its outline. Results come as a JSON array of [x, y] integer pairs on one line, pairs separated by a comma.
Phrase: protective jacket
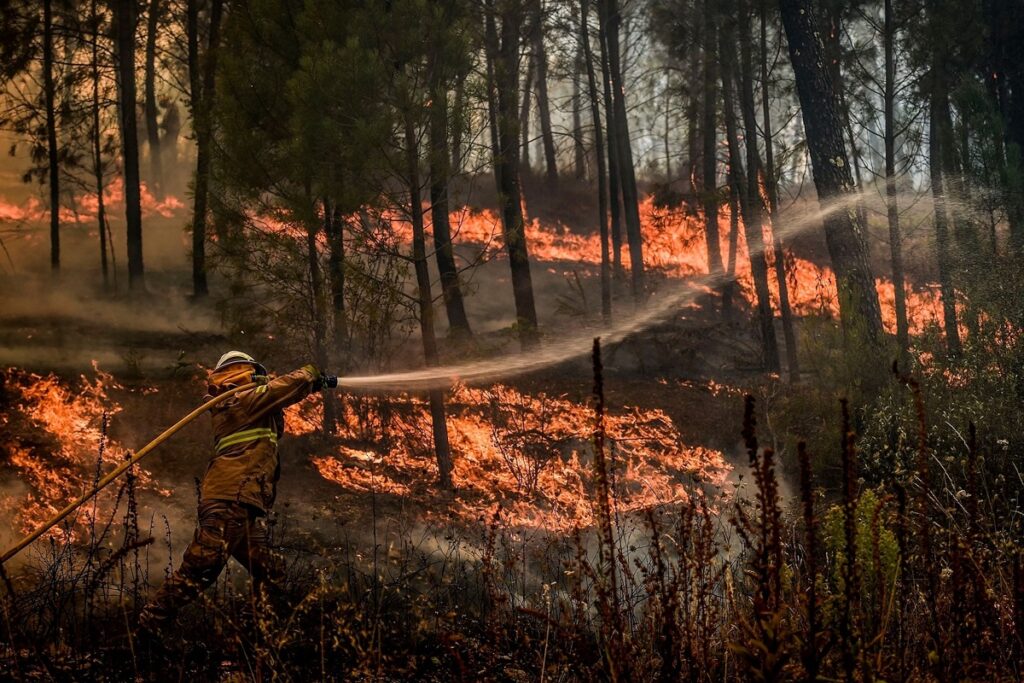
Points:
[[245, 466]]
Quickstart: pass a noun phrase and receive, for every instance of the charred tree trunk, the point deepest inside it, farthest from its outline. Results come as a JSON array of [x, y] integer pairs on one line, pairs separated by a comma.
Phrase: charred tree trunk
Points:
[[755, 202], [203, 82], [602, 188], [322, 347], [627, 175], [748, 206], [543, 106], [126, 23], [52, 152], [426, 308], [458, 321], [614, 184], [771, 189], [506, 63], [334, 224], [891, 202], [822, 116], [97, 148], [709, 189], [152, 125], [317, 307]]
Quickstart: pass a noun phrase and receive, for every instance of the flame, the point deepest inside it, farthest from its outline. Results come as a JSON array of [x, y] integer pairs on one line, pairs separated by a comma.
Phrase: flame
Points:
[[674, 243], [85, 207], [528, 454], [53, 437]]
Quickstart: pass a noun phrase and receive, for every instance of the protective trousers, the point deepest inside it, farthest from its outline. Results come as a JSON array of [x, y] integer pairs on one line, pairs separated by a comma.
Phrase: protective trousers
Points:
[[226, 529]]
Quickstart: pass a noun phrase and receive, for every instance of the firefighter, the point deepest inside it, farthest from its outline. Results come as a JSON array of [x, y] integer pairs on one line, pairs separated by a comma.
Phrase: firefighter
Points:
[[239, 486]]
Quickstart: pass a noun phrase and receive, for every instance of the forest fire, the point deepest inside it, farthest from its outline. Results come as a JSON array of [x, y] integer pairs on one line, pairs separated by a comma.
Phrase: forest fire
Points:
[[674, 244], [769, 480], [55, 443], [530, 455], [85, 206]]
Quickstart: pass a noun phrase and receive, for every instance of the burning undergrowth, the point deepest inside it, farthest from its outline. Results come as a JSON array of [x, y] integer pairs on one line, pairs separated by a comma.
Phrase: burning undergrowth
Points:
[[529, 454], [55, 445]]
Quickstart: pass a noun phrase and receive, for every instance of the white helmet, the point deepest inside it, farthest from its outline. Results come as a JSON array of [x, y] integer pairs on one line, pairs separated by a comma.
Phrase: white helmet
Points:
[[235, 357]]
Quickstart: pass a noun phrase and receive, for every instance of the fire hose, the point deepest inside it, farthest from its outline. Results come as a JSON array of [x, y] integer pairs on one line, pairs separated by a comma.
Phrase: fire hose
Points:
[[119, 470]]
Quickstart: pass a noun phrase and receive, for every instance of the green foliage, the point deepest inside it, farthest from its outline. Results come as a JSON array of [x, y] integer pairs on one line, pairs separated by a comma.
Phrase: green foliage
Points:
[[877, 550]]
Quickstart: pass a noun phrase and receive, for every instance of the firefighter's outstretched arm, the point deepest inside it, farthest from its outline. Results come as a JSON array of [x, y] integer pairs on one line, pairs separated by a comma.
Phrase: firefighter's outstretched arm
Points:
[[280, 392]]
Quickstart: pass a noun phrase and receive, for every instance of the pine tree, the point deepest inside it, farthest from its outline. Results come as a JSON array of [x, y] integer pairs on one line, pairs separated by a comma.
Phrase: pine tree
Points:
[[822, 114]]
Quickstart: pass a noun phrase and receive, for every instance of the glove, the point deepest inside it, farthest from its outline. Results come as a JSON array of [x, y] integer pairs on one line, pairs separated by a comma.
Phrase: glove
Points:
[[326, 381]]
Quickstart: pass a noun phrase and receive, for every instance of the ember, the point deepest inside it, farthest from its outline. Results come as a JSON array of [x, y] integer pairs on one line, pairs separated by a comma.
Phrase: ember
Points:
[[530, 455]]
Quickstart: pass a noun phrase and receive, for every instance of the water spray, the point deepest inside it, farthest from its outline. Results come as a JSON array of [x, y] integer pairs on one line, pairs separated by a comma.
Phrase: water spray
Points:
[[561, 350]]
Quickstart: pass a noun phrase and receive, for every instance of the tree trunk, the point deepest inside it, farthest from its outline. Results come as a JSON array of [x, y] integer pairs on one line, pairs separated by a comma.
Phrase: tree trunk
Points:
[[426, 307], [524, 113], [322, 347], [693, 112], [458, 321], [891, 202], [667, 134], [458, 124], [1006, 31], [52, 152], [729, 288], [506, 70], [317, 307], [952, 172], [543, 106], [126, 22], [97, 149], [490, 55], [578, 146], [709, 189], [602, 188], [942, 223], [152, 125], [627, 176], [822, 116], [336, 270], [771, 187], [749, 207], [202, 112], [614, 184], [744, 77]]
